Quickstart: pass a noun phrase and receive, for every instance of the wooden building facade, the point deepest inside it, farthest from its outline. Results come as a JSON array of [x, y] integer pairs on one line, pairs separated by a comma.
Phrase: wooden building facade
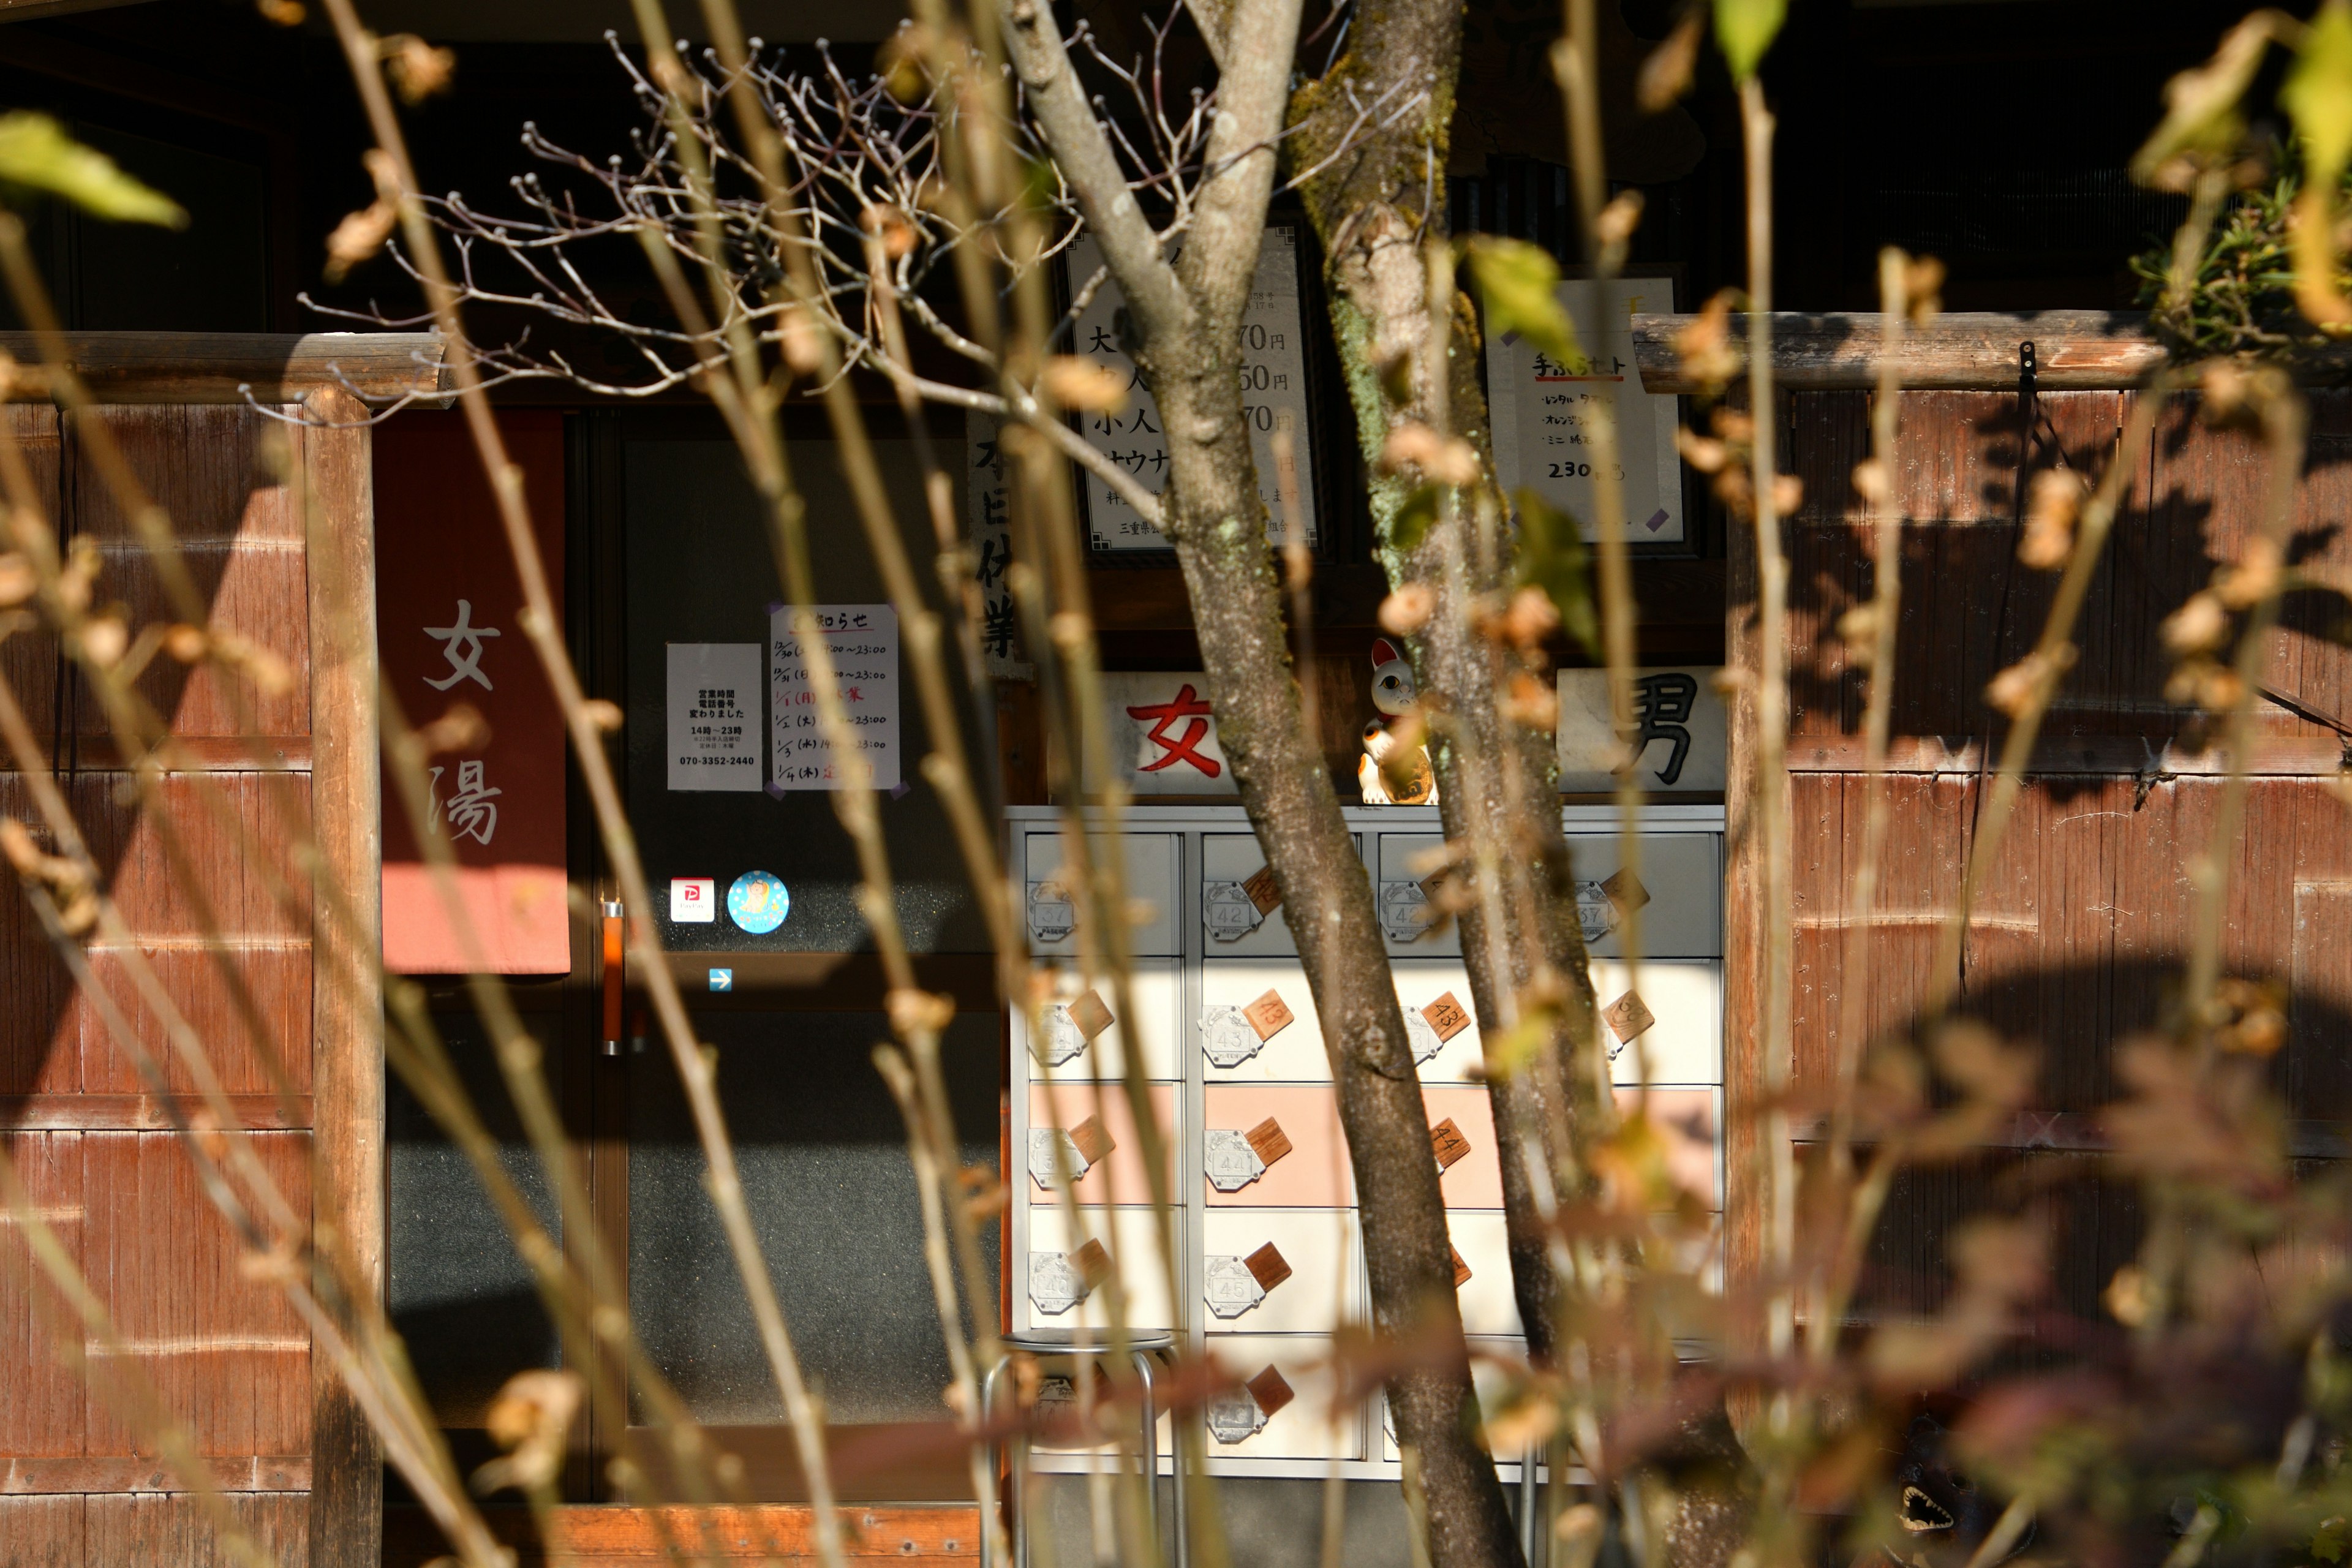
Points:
[[258, 782], [2079, 926]]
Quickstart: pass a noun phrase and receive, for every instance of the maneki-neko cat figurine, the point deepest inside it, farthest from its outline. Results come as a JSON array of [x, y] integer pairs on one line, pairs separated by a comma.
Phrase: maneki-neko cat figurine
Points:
[[1384, 778]]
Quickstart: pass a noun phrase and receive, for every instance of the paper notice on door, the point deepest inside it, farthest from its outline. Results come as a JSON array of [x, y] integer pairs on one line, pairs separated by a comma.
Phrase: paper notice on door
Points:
[[864, 642], [714, 715]]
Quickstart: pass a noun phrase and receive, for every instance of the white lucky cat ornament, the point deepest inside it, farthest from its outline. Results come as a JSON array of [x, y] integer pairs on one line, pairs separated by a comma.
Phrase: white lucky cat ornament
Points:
[[1392, 694]]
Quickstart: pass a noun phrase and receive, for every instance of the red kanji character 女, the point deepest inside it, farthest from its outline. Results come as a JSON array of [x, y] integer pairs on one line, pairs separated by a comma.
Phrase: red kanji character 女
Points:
[[1184, 747]]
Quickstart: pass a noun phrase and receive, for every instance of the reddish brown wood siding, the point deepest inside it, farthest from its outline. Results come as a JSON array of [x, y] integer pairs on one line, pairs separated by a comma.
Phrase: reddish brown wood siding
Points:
[[79, 1484], [2085, 916]]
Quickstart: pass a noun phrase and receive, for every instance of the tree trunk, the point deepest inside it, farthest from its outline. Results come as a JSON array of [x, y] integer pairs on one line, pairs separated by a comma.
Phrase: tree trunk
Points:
[[1218, 524], [1187, 323], [1496, 779]]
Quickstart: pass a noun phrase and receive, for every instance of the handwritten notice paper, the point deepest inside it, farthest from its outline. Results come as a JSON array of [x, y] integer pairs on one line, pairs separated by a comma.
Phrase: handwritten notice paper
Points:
[[1274, 385], [864, 642], [1543, 410], [714, 715]]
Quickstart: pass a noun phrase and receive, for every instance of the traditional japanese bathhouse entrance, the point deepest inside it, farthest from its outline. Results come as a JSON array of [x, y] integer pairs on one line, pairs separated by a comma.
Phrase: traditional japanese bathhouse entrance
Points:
[[673, 615], [671, 611]]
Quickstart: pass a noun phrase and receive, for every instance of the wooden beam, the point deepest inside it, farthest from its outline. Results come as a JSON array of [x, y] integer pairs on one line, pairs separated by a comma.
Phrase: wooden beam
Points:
[[347, 1191], [2159, 757], [230, 367], [1967, 351], [120, 76], [26, 10], [187, 754], [1667, 591], [44, 1474], [929, 1536], [142, 1112], [2082, 1133], [939, 1533]]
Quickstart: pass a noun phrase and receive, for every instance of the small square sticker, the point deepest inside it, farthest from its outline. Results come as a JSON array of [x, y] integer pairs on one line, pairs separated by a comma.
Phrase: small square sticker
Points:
[[1447, 1016], [722, 980], [693, 900], [1090, 1016], [1627, 1017], [1445, 1141], [1268, 1015], [1263, 893], [1625, 891]]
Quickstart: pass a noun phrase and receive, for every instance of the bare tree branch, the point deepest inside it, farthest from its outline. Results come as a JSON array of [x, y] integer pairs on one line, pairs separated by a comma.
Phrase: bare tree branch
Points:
[[1083, 154]]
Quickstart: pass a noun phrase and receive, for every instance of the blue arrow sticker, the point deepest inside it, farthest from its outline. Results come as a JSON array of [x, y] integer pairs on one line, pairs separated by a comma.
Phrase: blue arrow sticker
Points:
[[722, 980]]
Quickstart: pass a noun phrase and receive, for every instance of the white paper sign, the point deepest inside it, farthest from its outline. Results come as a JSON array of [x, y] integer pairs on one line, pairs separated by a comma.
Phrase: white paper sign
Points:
[[1680, 736], [714, 715], [864, 642], [1542, 410], [1274, 382]]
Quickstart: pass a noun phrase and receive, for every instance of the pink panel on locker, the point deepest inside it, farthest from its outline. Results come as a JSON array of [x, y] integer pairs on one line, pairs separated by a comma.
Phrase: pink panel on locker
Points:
[[1473, 1177], [1124, 1163], [1311, 1172], [1685, 1117]]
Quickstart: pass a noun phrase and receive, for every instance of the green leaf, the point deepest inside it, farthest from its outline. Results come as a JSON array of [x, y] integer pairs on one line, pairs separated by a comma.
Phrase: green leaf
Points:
[[36, 155], [2318, 93], [1410, 524], [1744, 30], [1520, 287], [1552, 557]]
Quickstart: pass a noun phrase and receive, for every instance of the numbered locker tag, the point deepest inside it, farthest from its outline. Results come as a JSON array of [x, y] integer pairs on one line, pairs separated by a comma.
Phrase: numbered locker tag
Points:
[[1405, 914], [1052, 915], [1228, 912], [1228, 1161], [1432, 1026], [1238, 1417], [1628, 1018], [1060, 1281]]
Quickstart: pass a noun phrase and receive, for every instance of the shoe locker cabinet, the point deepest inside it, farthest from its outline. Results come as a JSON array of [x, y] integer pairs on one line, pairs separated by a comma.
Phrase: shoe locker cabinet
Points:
[[1269, 1257]]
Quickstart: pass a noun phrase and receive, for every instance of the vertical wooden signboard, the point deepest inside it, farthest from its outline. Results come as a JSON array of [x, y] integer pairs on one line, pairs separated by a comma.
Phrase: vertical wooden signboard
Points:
[[448, 602]]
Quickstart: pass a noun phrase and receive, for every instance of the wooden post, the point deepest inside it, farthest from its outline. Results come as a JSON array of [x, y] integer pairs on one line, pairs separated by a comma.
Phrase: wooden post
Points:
[[1743, 932], [347, 1000]]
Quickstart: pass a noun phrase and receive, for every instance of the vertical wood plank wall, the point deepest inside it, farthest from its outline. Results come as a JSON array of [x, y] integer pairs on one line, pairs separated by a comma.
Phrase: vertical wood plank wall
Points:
[[2086, 915], [78, 1484]]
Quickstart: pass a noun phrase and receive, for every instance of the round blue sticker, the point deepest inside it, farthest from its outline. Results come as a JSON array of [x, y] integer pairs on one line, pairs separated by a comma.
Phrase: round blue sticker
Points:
[[758, 902]]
